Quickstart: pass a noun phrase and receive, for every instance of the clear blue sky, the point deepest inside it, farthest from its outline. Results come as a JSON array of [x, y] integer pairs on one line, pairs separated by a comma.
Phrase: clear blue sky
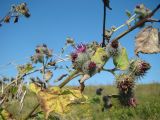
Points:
[[52, 21]]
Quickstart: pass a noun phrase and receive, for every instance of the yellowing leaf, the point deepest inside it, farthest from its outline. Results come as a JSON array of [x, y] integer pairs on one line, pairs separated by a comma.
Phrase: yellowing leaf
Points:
[[55, 90], [34, 88], [121, 60], [6, 115], [59, 103], [48, 75], [100, 57]]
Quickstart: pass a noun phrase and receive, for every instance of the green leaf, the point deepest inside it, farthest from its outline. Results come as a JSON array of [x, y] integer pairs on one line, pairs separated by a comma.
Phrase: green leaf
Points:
[[100, 57], [40, 115], [95, 99], [121, 60], [5, 115], [24, 88], [14, 90], [23, 69], [128, 13], [65, 92]]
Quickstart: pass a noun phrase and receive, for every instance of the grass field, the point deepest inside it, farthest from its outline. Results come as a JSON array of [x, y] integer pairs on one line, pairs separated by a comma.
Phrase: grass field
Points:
[[148, 98]]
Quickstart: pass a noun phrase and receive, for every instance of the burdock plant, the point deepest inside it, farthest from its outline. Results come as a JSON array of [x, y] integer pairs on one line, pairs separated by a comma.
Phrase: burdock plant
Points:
[[126, 81], [87, 60], [125, 85], [138, 67]]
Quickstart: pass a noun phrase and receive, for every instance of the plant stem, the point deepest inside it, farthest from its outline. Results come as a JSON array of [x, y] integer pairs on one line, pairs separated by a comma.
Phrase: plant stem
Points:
[[44, 64], [153, 20], [141, 22], [129, 21], [32, 111], [110, 70], [21, 77], [2, 20], [68, 78], [104, 24]]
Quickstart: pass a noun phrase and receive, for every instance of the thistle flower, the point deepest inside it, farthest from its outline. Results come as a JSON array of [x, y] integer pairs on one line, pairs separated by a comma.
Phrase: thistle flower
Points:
[[38, 57], [37, 50], [43, 49], [125, 85], [142, 11], [114, 48], [138, 6], [92, 66], [80, 60], [74, 56], [115, 44], [99, 91], [81, 48], [48, 53], [139, 67], [132, 102], [125, 82], [7, 19], [106, 102], [69, 41], [22, 8], [89, 67]]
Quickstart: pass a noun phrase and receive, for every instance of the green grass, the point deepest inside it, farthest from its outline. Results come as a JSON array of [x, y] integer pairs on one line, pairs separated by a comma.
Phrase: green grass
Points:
[[148, 97]]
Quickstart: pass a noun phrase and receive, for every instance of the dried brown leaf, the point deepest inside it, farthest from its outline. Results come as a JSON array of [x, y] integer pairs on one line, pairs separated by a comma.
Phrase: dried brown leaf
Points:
[[147, 41]]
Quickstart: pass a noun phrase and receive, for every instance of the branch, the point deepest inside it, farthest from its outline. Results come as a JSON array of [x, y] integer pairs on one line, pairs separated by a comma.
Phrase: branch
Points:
[[152, 20], [2, 101], [104, 25], [2, 20], [68, 78], [114, 96], [21, 77], [22, 100], [110, 70], [141, 22], [34, 109], [127, 22]]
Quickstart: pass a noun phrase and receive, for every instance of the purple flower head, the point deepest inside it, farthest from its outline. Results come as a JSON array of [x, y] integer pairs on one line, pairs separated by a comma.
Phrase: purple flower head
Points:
[[81, 48], [137, 6], [141, 67], [92, 66], [144, 67], [125, 85], [132, 102], [115, 44], [74, 56]]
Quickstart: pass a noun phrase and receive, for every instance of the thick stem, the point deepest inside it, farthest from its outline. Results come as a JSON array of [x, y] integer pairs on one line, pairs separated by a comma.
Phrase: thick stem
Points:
[[69, 78]]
